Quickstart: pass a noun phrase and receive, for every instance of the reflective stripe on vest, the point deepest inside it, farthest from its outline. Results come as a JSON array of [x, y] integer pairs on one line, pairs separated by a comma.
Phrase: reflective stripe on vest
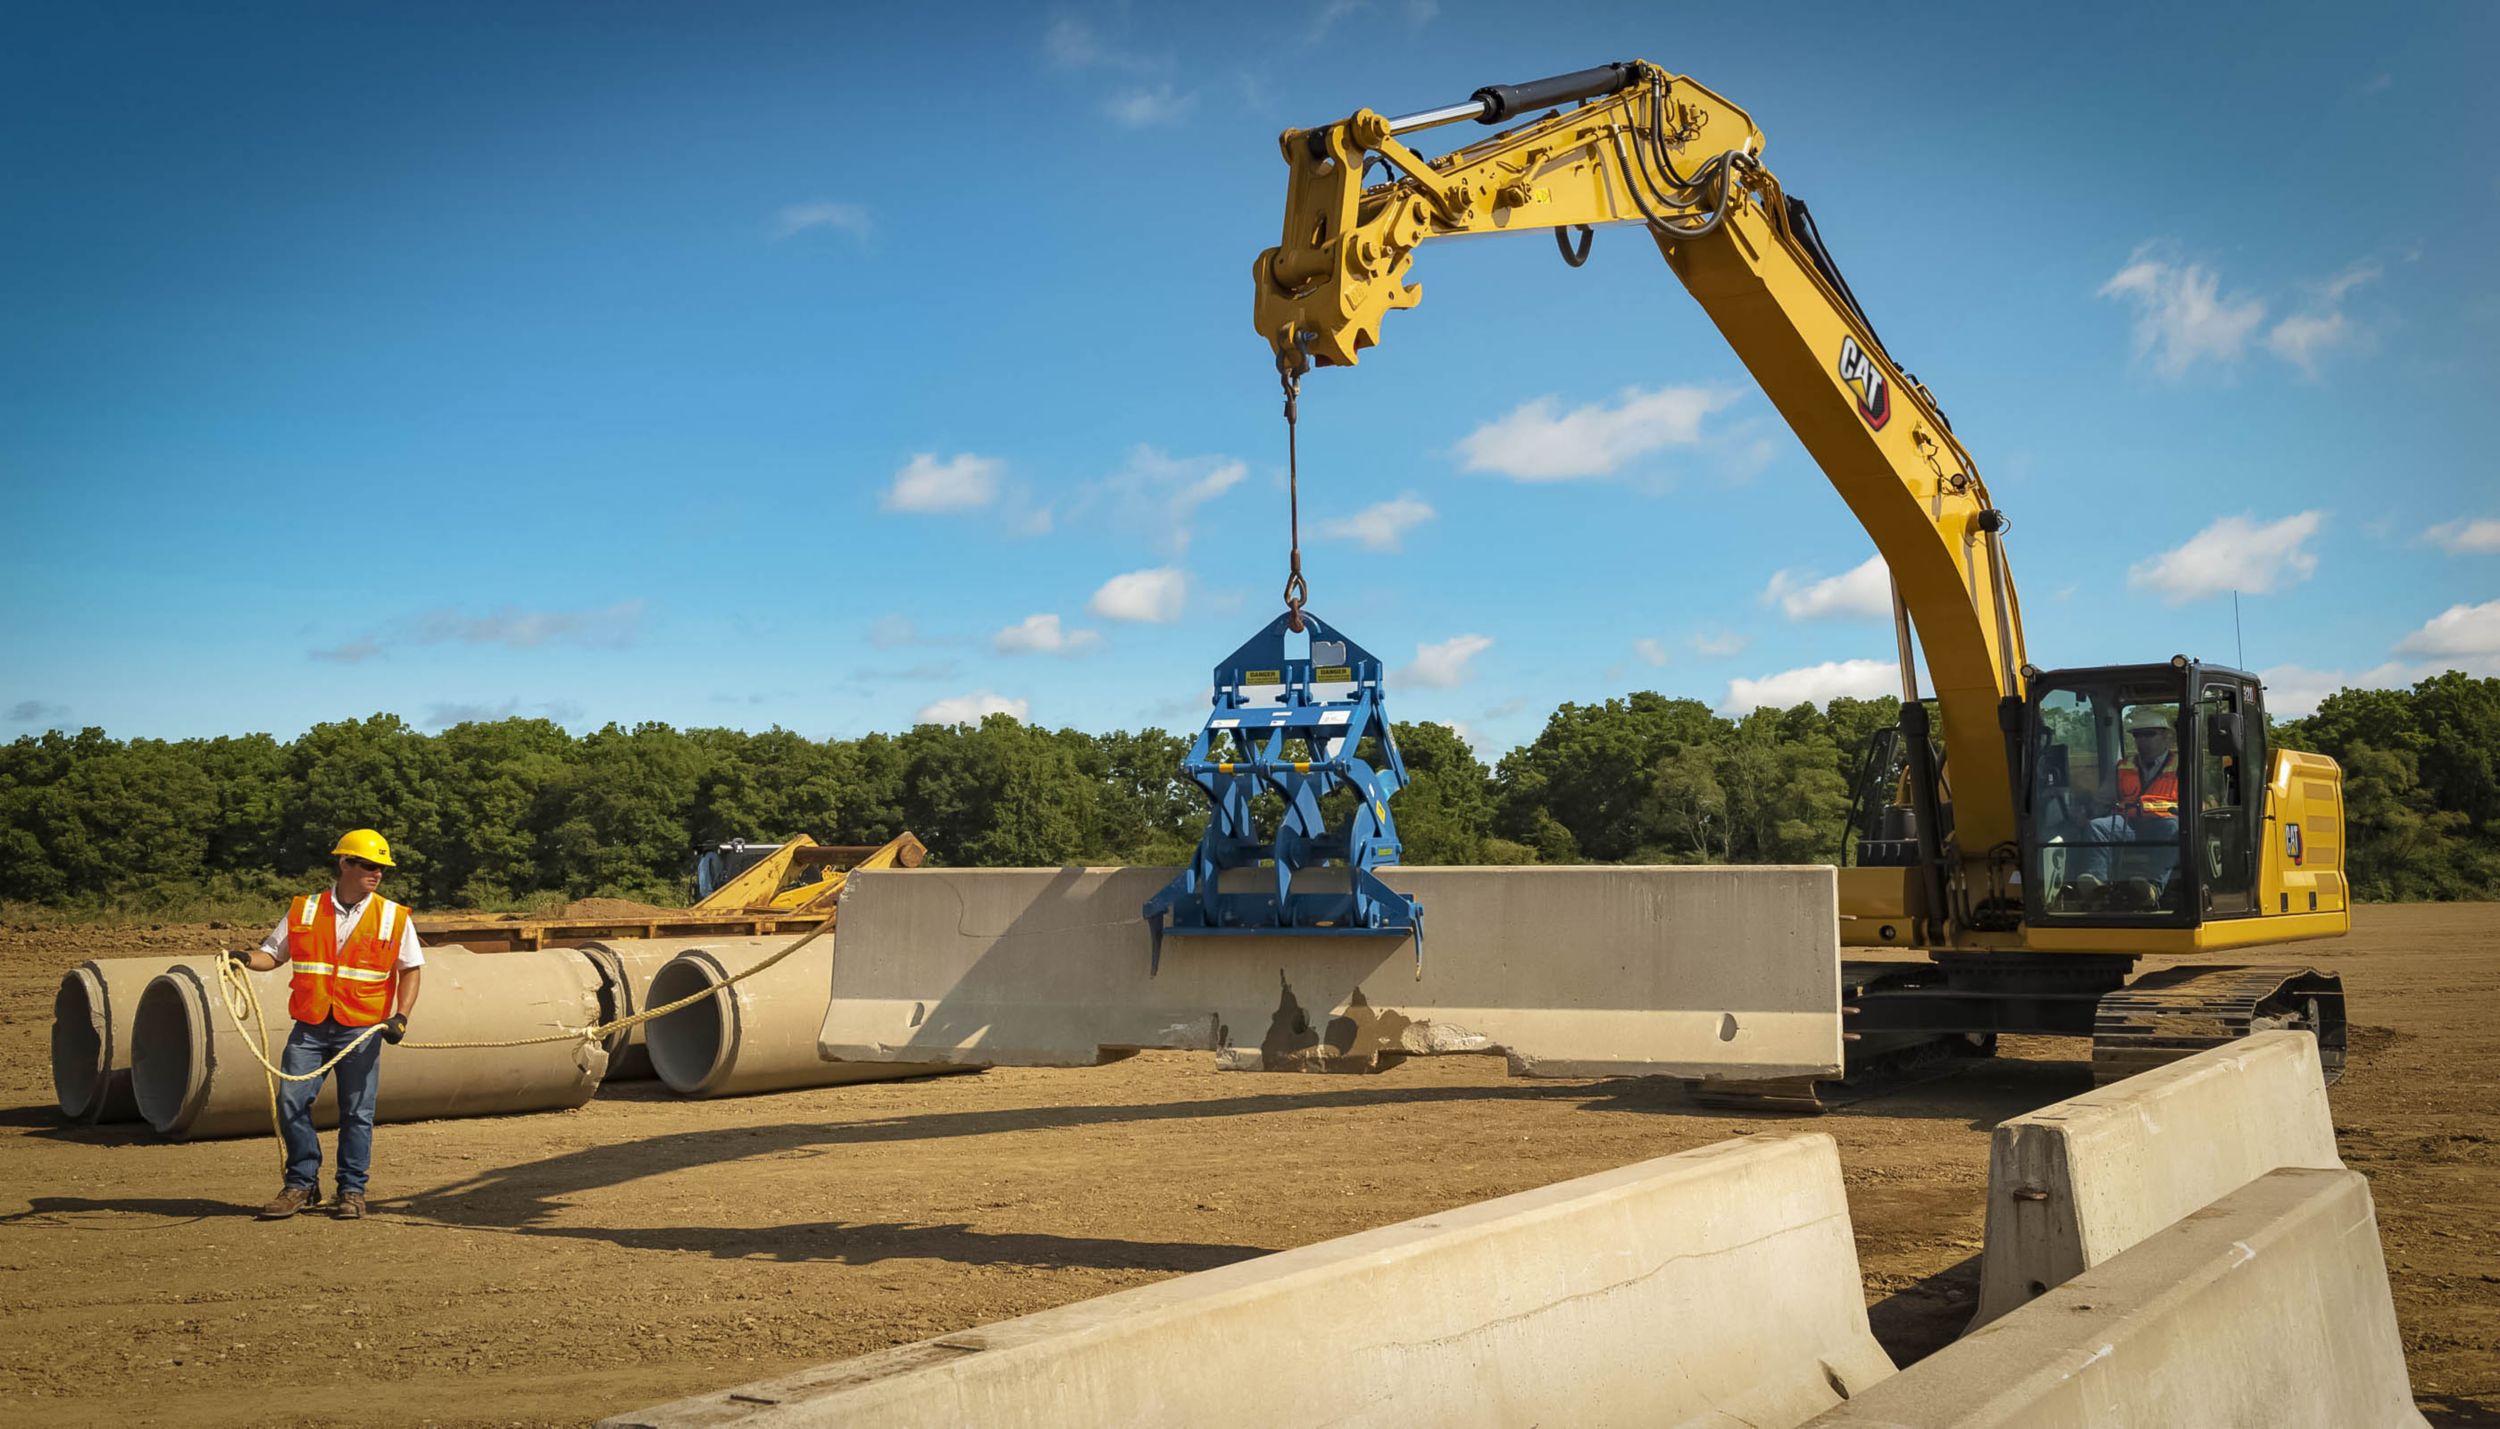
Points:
[[352, 980], [2159, 795]]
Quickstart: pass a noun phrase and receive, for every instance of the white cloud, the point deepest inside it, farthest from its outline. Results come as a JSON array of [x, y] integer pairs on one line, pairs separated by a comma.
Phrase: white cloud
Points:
[[1145, 108], [1441, 666], [971, 708], [1329, 13], [1865, 590], [2460, 630], [2477, 537], [1072, 43], [1814, 685], [959, 483], [2181, 317], [1650, 651], [798, 218], [1042, 635], [2234, 553], [1151, 596], [1380, 527], [1538, 441], [528, 629], [2303, 338], [1159, 494], [507, 626], [1718, 646], [2332, 291], [2293, 691]]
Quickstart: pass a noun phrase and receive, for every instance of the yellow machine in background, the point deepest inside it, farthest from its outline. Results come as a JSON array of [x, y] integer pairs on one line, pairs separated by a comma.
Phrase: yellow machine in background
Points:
[[804, 876], [789, 890], [2033, 877]]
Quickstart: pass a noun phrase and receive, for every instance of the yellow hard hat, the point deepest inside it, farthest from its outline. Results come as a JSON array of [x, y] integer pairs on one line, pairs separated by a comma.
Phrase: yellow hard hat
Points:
[[364, 844]]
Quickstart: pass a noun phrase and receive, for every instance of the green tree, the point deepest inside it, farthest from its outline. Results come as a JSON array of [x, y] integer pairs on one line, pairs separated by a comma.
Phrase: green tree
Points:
[[1445, 813]]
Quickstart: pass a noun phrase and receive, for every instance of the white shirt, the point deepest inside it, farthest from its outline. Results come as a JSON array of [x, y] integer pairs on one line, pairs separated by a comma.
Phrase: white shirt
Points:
[[411, 952]]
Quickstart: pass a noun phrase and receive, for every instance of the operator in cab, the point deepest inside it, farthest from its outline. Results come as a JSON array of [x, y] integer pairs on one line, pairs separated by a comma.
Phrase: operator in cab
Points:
[[357, 966], [2146, 810]]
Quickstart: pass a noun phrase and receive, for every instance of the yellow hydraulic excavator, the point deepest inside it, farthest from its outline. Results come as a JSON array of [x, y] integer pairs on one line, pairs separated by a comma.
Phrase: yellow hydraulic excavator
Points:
[[2091, 817]]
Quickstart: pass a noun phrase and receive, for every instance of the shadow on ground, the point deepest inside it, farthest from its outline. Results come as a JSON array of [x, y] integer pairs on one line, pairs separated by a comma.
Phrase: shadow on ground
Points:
[[1925, 1316]]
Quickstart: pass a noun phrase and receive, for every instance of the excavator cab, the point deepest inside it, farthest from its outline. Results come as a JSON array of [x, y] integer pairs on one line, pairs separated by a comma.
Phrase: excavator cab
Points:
[[2141, 804]]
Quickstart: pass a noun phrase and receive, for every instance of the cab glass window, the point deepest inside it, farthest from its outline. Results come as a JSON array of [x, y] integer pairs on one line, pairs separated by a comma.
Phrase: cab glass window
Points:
[[2105, 802]]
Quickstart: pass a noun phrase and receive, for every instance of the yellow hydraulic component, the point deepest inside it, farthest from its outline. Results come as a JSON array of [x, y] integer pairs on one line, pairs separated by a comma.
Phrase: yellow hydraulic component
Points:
[[803, 875]]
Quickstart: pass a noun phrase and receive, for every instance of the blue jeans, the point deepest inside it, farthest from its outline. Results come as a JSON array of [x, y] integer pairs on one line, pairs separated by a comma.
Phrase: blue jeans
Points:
[[360, 1079], [2109, 830]]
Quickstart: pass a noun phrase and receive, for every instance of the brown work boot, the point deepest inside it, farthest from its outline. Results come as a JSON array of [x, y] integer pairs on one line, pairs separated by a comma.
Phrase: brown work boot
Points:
[[291, 1200], [351, 1206]]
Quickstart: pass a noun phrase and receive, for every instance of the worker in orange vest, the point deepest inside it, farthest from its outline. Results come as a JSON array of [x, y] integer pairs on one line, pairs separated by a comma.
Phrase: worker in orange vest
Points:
[[357, 964], [2146, 810]]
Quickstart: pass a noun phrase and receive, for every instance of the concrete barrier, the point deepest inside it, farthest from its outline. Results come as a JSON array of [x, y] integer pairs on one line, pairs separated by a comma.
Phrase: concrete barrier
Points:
[[1719, 1285], [2075, 1183], [2269, 1307], [1571, 972]]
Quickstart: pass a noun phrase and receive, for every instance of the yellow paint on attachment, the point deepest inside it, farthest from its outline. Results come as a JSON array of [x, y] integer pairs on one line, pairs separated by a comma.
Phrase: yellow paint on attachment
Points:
[[1302, 766], [1224, 768]]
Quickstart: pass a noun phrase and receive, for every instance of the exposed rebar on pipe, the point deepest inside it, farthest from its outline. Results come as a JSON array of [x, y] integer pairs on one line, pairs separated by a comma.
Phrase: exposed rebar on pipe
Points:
[[626, 967], [193, 1075], [759, 1036]]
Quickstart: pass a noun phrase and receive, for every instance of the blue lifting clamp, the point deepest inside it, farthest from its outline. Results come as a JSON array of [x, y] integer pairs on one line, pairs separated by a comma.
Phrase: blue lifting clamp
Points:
[[1268, 698]]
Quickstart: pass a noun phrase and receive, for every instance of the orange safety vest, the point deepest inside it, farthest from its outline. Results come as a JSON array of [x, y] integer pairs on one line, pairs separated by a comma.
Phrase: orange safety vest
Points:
[[2158, 796], [353, 980]]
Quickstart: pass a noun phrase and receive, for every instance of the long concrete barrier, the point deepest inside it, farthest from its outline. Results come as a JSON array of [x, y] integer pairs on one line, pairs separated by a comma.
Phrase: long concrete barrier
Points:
[[193, 1074], [1716, 1286], [2079, 1181], [1571, 972], [759, 1036], [2268, 1308], [91, 1015]]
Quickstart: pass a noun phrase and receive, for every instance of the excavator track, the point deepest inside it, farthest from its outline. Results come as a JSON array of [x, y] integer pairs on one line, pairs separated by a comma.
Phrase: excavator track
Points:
[[2163, 1016]]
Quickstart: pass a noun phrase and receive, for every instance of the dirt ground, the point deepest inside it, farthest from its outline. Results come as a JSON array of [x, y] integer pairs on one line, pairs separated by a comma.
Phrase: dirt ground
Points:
[[556, 1267]]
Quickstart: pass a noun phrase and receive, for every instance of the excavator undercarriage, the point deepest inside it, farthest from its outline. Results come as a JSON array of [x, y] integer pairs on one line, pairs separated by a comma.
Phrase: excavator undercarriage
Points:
[[1905, 1022]]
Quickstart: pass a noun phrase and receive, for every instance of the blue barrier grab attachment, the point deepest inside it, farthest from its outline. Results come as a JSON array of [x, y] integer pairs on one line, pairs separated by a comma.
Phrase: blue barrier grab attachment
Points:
[[1291, 712]]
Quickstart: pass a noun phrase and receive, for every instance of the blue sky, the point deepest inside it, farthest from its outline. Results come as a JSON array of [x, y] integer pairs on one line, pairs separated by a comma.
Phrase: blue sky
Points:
[[833, 367]]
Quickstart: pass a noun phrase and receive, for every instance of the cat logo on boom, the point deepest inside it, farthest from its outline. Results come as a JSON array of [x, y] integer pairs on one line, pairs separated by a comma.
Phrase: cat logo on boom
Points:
[[1860, 372]]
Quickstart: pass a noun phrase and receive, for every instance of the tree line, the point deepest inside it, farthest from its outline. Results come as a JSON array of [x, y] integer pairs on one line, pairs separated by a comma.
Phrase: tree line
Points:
[[503, 813]]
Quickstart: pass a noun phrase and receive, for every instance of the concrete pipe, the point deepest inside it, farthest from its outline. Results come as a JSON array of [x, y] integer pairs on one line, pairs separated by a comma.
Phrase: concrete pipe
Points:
[[626, 967], [91, 1017], [193, 1075], [759, 1036]]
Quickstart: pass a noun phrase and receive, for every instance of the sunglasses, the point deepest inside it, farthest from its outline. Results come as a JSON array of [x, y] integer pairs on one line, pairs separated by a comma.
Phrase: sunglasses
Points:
[[364, 865]]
